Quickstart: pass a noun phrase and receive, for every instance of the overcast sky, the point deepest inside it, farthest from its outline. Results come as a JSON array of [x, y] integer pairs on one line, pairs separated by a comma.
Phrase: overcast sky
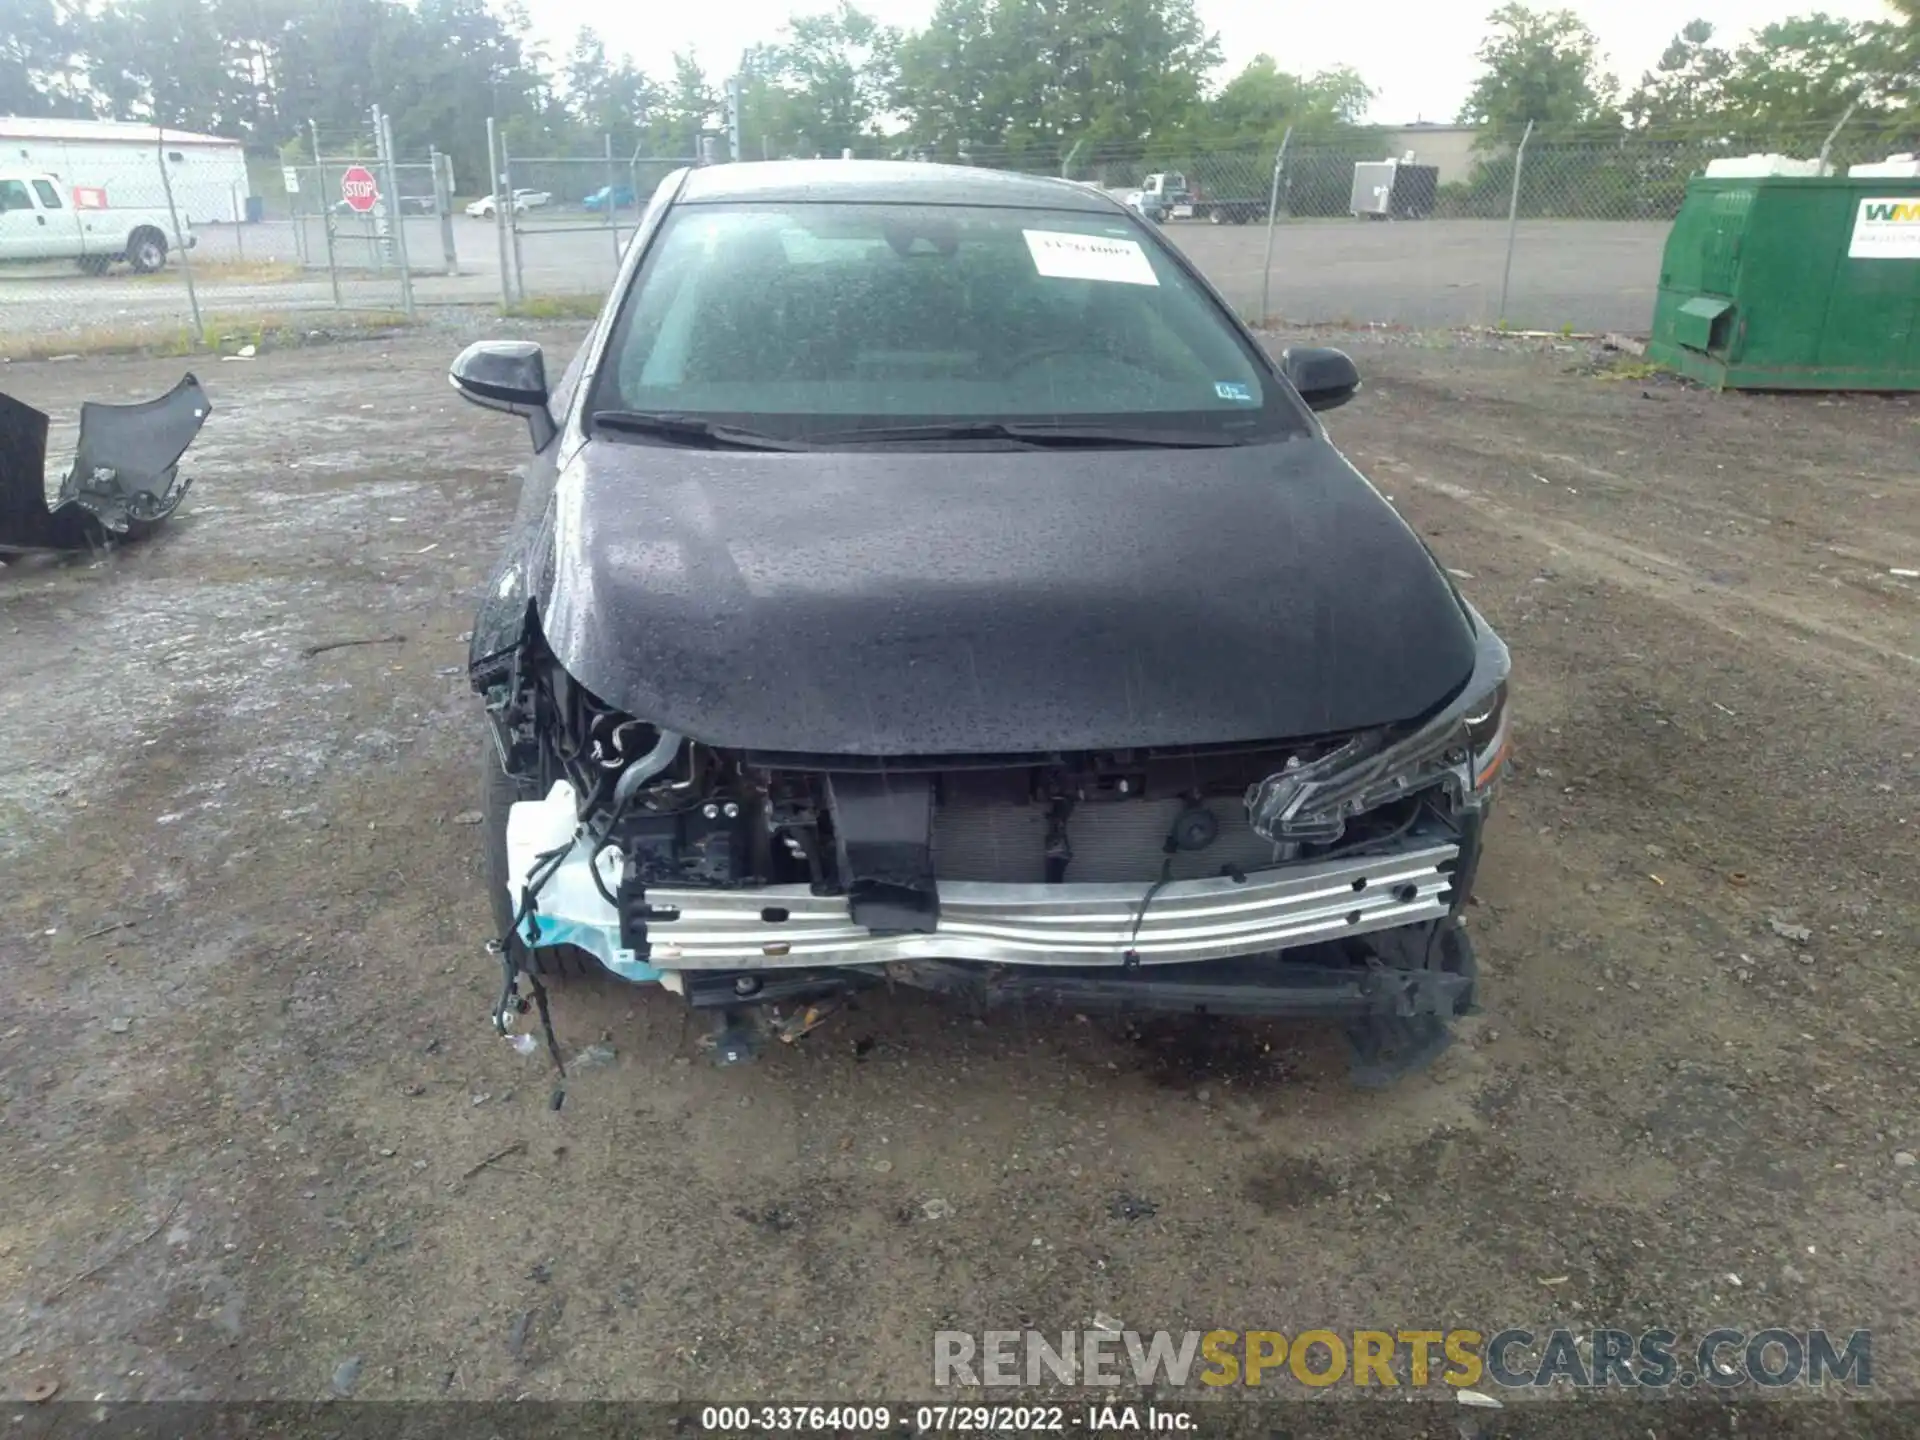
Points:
[[1417, 54]]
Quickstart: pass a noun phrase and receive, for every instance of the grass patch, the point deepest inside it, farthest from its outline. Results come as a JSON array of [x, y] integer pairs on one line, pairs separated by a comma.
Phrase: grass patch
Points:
[[1635, 370], [158, 339], [556, 307], [225, 272], [226, 334]]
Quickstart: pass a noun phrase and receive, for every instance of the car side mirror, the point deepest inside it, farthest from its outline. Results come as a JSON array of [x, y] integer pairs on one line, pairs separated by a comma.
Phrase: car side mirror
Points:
[[1326, 379], [509, 375]]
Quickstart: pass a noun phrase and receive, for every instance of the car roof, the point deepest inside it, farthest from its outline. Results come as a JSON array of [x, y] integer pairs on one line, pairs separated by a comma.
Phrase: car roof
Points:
[[884, 181]]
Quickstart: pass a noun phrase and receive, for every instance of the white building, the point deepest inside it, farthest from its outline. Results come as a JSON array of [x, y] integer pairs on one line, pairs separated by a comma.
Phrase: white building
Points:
[[1451, 149], [208, 174]]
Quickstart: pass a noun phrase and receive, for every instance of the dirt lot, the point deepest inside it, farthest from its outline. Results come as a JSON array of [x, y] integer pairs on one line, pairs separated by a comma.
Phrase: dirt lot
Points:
[[256, 1106]]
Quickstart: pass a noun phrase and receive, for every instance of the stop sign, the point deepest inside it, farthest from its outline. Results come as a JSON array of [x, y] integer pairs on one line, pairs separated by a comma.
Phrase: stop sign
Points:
[[357, 188]]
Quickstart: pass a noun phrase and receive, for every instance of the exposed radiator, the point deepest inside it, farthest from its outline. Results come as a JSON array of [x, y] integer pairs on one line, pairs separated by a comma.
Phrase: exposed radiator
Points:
[[1113, 842]]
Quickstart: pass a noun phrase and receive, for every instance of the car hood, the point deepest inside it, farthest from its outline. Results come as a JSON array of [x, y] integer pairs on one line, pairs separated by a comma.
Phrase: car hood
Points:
[[910, 602]]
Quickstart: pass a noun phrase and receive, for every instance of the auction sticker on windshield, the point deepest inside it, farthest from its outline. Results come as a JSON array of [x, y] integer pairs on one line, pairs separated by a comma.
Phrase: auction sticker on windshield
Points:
[[1062, 255]]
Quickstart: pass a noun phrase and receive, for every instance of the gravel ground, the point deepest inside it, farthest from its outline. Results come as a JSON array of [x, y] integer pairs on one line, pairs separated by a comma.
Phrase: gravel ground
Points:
[[248, 1076]]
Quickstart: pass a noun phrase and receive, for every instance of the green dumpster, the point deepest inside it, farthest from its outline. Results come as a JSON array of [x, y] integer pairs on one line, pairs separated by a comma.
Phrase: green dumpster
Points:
[[1793, 283]]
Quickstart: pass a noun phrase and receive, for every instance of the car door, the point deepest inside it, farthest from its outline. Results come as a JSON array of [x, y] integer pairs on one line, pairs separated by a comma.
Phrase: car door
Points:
[[23, 230], [61, 225]]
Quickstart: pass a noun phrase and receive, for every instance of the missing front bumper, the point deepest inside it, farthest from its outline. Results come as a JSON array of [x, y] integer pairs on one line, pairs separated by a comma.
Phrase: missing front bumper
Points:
[[1395, 994], [1328, 983], [1366, 941]]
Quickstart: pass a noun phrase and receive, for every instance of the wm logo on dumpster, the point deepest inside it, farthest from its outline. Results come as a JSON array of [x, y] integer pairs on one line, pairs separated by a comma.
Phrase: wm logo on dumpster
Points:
[[1886, 227]]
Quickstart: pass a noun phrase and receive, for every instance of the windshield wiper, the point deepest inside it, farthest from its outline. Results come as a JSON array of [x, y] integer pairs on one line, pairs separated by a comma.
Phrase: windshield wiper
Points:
[[691, 430], [1032, 433]]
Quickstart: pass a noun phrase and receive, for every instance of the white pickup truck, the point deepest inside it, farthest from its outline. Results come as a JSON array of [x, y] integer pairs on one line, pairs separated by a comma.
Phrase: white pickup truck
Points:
[[42, 218]]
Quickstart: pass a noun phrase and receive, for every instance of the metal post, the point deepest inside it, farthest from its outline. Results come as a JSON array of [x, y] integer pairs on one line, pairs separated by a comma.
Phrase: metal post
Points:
[[326, 212], [503, 207], [299, 220], [499, 218], [613, 206], [1273, 212], [239, 241], [443, 207], [396, 212], [378, 221], [1826, 146], [178, 240], [1513, 218], [1066, 163]]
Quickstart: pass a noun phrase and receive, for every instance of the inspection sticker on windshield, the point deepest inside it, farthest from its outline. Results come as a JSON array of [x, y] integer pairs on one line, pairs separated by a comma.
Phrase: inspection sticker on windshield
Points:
[[1066, 256], [1234, 390]]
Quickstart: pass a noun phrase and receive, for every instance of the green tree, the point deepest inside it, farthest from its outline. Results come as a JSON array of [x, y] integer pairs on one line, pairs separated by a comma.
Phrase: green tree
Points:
[[1030, 78], [1689, 84], [1538, 66], [185, 82], [773, 118], [1803, 73], [826, 84], [689, 108], [1258, 106], [40, 64], [608, 97], [948, 78], [259, 70], [473, 62]]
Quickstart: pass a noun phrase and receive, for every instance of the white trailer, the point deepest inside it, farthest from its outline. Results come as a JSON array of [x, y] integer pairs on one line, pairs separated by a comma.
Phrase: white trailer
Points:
[[208, 173]]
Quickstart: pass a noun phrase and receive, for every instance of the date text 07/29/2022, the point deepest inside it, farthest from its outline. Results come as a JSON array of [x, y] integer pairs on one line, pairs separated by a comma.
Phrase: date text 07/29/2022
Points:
[[960, 1419]]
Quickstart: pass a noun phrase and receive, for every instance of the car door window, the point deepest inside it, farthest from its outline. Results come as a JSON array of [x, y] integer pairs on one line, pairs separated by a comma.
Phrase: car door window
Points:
[[49, 197], [13, 196]]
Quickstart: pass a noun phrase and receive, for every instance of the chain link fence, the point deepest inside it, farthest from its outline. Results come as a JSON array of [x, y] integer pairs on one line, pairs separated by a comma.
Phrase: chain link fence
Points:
[[359, 249], [1544, 231], [1541, 231], [340, 226], [565, 220], [110, 252]]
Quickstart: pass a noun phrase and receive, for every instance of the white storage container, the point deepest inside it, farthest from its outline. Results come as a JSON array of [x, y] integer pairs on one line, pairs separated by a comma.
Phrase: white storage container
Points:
[[1373, 187], [1894, 167], [1741, 167]]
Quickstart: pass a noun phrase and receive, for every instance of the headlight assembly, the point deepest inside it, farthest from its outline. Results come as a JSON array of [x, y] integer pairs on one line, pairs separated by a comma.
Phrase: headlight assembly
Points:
[[1489, 738], [1466, 744]]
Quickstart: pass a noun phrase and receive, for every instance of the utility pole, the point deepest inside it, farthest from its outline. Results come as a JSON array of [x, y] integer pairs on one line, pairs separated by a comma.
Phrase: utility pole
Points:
[[396, 213], [733, 117], [326, 211]]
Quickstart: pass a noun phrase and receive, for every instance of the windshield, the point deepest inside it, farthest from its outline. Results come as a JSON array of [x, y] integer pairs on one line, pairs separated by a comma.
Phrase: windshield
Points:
[[797, 319]]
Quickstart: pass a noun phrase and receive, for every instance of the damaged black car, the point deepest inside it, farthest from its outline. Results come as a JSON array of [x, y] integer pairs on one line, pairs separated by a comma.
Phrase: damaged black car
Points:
[[922, 578]]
